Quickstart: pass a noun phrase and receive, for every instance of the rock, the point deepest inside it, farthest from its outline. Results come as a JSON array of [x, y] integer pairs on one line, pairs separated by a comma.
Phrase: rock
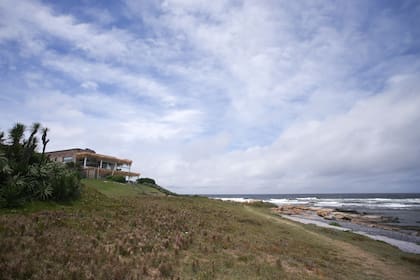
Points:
[[329, 217], [323, 212]]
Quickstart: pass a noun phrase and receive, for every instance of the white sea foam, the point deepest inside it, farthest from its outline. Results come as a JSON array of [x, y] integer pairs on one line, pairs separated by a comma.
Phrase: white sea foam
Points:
[[286, 201], [235, 199], [368, 203], [307, 198]]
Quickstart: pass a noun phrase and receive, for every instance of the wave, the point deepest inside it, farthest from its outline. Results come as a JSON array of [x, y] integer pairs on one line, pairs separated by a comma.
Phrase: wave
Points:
[[369, 203]]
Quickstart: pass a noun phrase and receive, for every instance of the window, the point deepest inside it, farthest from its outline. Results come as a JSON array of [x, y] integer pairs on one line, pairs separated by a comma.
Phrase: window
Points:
[[67, 159]]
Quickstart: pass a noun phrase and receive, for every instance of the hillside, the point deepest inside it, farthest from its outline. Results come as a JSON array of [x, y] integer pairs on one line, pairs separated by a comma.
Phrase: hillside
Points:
[[131, 232], [114, 189]]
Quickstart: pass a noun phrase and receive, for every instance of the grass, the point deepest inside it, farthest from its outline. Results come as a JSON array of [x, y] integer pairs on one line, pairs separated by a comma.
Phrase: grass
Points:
[[259, 203], [131, 233], [114, 189]]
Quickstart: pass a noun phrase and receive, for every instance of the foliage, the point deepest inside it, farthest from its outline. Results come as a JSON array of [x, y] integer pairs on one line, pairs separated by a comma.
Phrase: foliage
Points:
[[27, 175], [12, 192], [262, 204], [55, 181], [117, 178], [152, 183], [146, 181]]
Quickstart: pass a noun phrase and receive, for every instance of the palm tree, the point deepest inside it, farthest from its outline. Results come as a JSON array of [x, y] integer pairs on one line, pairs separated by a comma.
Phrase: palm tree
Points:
[[21, 151]]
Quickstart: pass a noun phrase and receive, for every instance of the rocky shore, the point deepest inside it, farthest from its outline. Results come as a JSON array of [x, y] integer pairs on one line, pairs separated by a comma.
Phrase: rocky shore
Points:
[[338, 215], [376, 227]]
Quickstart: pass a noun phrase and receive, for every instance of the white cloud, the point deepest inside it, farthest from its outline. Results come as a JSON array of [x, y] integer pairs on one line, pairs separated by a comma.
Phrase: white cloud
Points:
[[376, 138], [97, 72], [236, 96], [89, 85], [16, 16]]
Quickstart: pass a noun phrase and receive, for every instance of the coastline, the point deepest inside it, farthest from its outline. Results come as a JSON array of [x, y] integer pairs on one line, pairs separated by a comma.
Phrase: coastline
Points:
[[377, 227], [373, 217], [405, 246]]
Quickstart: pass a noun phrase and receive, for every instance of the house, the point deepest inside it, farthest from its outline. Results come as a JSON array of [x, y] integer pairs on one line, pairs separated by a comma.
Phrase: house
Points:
[[94, 165]]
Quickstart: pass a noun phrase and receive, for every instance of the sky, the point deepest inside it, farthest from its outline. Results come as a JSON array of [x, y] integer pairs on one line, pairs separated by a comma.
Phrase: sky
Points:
[[217, 97]]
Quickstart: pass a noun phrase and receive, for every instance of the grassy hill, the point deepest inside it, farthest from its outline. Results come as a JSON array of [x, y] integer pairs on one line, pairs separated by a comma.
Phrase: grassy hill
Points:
[[114, 189], [131, 232]]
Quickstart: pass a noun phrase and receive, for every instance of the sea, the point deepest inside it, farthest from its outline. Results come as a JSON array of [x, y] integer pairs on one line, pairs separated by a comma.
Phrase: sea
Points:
[[403, 208]]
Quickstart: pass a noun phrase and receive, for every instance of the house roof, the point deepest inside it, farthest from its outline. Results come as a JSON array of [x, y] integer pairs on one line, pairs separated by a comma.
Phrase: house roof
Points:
[[81, 153], [103, 157]]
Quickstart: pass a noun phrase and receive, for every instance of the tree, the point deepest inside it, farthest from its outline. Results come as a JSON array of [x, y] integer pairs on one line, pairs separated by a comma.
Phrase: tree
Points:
[[26, 174]]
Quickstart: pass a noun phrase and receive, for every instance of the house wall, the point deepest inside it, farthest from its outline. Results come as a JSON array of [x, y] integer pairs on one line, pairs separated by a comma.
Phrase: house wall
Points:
[[92, 168], [64, 155]]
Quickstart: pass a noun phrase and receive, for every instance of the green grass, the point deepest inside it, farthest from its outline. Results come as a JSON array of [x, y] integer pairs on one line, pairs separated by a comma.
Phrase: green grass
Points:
[[114, 189], [121, 232]]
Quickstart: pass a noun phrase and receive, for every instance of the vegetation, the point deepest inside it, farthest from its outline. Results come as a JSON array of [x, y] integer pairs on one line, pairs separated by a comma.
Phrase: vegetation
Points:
[[152, 183], [26, 175], [117, 178], [112, 234], [262, 204], [115, 189], [146, 181]]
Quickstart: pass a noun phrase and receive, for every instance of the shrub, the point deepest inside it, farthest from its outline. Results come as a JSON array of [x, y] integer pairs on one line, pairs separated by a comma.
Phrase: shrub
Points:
[[12, 192], [54, 181], [117, 178], [146, 181], [65, 183], [27, 175]]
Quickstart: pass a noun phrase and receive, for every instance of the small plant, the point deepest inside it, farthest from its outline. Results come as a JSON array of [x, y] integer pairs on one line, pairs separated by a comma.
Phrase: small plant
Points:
[[335, 224]]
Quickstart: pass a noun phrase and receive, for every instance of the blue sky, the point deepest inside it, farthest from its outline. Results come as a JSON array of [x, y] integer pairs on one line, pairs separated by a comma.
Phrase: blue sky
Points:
[[224, 96]]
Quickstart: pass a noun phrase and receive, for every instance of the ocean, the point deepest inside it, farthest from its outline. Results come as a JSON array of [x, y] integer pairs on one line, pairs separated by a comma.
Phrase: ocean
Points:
[[404, 207]]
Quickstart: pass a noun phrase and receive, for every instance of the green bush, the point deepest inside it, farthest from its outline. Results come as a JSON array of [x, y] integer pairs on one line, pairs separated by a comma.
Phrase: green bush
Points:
[[27, 175], [152, 183], [56, 182], [117, 178], [12, 192], [146, 181], [335, 224]]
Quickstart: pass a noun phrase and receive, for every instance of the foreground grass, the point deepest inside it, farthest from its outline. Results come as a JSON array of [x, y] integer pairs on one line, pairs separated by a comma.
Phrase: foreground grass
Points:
[[124, 234]]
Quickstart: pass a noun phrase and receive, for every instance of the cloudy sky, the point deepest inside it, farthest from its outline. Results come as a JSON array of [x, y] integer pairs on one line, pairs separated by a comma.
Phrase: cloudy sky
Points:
[[224, 96]]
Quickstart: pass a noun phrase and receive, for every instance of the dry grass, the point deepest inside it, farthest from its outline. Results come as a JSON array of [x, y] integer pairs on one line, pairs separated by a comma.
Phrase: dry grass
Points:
[[155, 237]]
